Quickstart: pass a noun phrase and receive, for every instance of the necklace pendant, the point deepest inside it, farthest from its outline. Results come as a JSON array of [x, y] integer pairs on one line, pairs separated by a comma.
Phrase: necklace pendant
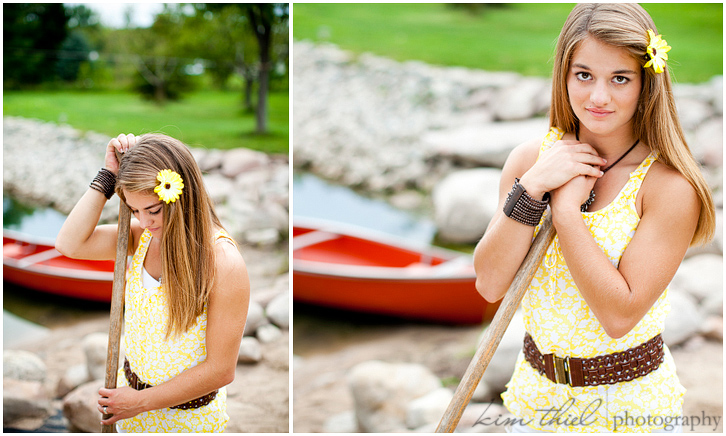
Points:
[[584, 206]]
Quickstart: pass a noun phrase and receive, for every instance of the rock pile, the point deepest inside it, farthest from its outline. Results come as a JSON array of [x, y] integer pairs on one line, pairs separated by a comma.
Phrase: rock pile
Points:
[[250, 188], [407, 126], [35, 388]]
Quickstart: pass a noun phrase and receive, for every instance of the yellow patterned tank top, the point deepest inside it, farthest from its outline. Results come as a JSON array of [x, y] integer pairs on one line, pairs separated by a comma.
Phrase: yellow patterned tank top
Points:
[[561, 322], [156, 360]]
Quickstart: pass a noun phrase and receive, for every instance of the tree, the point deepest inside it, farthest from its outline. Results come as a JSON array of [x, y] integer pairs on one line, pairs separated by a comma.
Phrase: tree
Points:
[[32, 35], [263, 18]]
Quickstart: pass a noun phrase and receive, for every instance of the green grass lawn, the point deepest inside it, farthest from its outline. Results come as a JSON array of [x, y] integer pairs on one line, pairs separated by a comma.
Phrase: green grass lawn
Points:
[[207, 119], [515, 37]]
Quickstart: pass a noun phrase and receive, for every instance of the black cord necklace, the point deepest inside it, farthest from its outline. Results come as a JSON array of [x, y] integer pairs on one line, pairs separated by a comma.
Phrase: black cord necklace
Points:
[[583, 207]]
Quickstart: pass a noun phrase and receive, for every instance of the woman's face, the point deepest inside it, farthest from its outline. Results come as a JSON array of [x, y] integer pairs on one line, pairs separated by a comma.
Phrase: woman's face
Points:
[[148, 209], [603, 85]]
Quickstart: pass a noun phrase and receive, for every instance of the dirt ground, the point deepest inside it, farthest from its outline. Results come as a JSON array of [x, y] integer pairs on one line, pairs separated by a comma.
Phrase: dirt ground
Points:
[[323, 356]]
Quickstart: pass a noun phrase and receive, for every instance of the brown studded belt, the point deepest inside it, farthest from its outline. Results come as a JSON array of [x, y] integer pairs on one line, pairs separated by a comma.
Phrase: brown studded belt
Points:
[[606, 369], [136, 383]]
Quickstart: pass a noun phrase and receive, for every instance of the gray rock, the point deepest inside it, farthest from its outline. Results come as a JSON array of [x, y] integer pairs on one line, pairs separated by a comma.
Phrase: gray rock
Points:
[[95, 347], [24, 399], [341, 423], [79, 407], [255, 318], [520, 101], [712, 328], [250, 350], [482, 144], [700, 276], [23, 365], [683, 321], [501, 367], [74, 376], [428, 409], [278, 311], [692, 112], [239, 160], [262, 237], [381, 392], [465, 202], [268, 333], [708, 142], [218, 187]]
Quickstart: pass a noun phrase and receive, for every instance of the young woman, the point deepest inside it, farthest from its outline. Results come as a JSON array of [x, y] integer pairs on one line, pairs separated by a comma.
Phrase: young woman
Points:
[[187, 289], [627, 199]]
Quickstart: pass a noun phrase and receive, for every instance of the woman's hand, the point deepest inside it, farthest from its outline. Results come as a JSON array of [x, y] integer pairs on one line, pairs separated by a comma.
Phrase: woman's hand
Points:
[[122, 143], [122, 403], [572, 194], [562, 162]]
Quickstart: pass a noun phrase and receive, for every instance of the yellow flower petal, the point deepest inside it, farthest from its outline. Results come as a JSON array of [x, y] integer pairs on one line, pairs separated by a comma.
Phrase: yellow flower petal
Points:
[[658, 51], [170, 186]]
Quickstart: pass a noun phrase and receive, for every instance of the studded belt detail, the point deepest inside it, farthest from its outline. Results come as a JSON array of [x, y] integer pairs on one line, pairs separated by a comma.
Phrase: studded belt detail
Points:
[[606, 369], [136, 383]]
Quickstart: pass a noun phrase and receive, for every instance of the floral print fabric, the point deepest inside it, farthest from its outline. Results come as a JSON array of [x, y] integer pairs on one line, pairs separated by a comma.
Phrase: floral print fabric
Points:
[[156, 360], [560, 321]]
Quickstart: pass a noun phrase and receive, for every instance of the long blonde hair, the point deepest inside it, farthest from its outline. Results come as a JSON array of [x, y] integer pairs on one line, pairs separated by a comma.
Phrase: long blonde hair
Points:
[[187, 248], [656, 121]]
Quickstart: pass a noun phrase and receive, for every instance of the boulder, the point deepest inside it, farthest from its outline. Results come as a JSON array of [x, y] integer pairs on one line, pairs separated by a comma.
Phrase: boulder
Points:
[[708, 142], [501, 367], [74, 376], [239, 160], [268, 333], [250, 350], [218, 187], [683, 321], [382, 391], [428, 409], [700, 276], [80, 407], [341, 423], [23, 365], [95, 347], [278, 311], [255, 318], [23, 399], [520, 101], [464, 203]]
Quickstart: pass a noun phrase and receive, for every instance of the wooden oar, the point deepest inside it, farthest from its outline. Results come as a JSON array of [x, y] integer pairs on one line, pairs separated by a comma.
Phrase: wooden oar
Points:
[[496, 329], [117, 300]]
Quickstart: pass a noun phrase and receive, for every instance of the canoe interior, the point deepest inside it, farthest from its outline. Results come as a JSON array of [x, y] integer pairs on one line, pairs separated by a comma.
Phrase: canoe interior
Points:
[[351, 250], [17, 250]]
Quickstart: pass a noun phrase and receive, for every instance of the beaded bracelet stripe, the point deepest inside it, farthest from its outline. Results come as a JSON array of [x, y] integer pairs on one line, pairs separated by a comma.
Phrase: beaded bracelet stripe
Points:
[[104, 182], [522, 208]]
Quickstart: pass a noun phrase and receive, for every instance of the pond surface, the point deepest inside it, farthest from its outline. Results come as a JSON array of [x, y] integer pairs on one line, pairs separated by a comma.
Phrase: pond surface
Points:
[[38, 307], [316, 198]]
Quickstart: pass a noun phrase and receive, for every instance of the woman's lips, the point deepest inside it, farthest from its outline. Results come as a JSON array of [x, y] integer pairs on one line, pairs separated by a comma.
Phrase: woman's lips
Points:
[[599, 113]]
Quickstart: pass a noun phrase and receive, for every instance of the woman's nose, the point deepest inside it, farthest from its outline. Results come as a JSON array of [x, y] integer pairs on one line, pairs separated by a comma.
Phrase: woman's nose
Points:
[[600, 95]]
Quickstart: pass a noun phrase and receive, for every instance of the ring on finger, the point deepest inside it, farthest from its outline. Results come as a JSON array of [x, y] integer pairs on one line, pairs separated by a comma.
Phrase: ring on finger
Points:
[[105, 410]]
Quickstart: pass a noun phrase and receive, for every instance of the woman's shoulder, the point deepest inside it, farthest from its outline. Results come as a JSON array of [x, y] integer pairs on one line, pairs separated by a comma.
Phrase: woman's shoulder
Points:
[[666, 184], [229, 263], [525, 154]]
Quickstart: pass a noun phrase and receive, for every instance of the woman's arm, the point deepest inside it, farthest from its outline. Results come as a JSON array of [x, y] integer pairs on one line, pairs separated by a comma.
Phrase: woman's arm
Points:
[[620, 297], [505, 243], [226, 317], [80, 237]]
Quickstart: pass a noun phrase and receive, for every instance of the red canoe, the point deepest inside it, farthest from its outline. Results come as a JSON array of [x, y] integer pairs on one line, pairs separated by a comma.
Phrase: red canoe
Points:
[[34, 263], [350, 268]]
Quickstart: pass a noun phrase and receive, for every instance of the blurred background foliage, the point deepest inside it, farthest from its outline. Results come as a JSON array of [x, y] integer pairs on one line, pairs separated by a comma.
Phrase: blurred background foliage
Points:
[[517, 37], [216, 74]]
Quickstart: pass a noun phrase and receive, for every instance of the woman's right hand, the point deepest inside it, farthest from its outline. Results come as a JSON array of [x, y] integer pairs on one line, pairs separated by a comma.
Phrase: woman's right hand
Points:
[[122, 143], [562, 162]]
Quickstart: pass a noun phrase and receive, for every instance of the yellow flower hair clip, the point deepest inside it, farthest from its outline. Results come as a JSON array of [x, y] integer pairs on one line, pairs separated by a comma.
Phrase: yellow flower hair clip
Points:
[[658, 51], [170, 186]]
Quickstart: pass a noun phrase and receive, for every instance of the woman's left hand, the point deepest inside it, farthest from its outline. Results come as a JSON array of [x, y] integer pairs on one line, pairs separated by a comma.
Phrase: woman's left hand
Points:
[[122, 403], [572, 194]]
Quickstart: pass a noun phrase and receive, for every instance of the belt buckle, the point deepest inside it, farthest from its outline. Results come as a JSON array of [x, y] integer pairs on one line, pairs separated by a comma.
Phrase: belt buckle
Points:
[[562, 369]]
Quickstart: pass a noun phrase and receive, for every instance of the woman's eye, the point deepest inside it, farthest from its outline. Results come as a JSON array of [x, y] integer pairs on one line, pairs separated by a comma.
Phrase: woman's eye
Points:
[[620, 80], [582, 75], [155, 213]]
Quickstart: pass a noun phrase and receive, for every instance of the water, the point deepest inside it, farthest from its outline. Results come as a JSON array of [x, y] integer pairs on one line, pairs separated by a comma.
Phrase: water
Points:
[[37, 307], [315, 198]]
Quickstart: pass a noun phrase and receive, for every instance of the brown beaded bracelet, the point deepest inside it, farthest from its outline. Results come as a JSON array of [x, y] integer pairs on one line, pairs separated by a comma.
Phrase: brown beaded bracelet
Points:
[[105, 183], [522, 208]]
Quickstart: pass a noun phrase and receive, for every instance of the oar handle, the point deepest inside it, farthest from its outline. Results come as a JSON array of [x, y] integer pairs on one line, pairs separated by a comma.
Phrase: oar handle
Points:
[[497, 327], [117, 299]]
